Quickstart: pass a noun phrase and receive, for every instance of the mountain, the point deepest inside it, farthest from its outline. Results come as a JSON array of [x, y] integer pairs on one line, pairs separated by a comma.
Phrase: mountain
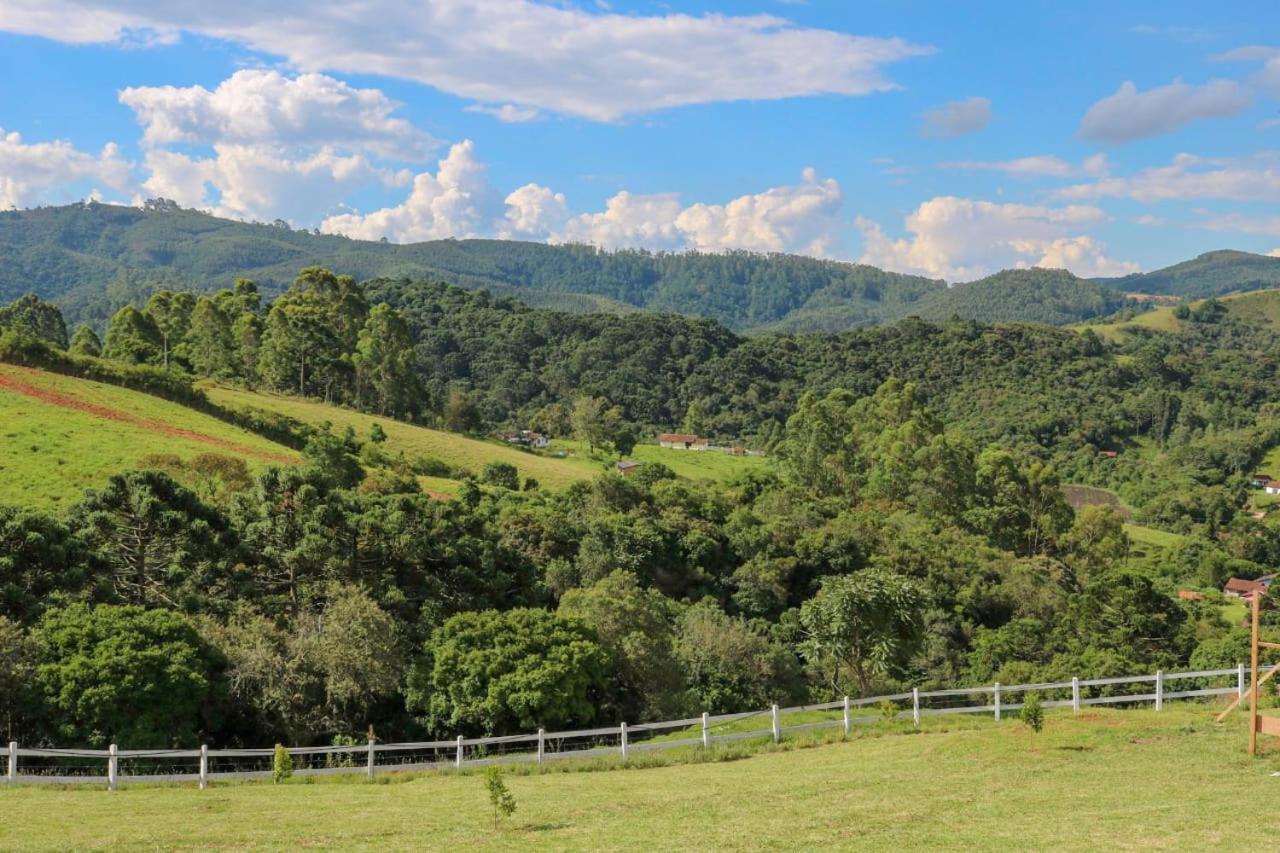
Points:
[[1210, 274], [93, 258]]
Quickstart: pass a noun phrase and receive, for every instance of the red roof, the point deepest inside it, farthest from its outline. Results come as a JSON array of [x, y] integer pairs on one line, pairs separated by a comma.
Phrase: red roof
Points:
[[1272, 484], [678, 438], [1242, 585]]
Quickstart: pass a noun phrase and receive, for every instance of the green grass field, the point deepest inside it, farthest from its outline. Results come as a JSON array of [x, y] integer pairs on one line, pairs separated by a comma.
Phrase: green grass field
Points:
[[1150, 536], [1257, 306], [473, 454], [60, 435], [1108, 779]]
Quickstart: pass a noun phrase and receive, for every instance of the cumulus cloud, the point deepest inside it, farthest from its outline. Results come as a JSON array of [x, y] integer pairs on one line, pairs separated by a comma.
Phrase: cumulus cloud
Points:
[[960, 239], [1039, 166], [457, 201], [1190, 177], [956, 118], [533, 212], [37, 172], [554, 57], [1247, 53], [506, 113], [1129, 114], [256, 107], [1266, 226]]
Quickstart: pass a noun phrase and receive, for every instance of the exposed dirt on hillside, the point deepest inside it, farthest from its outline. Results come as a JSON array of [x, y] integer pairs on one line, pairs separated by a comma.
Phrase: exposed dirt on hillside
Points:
[[11, 380]]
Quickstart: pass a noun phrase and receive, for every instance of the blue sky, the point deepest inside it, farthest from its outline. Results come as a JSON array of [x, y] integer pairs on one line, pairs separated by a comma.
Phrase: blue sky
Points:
[[926, 137]]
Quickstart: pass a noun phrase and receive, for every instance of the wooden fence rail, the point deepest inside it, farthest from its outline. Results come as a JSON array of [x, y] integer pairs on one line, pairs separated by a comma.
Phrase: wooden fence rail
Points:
[[112, 766]]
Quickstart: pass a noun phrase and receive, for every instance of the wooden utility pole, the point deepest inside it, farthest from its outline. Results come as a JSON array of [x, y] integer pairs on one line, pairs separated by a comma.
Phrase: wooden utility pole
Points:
[[1253, 679]]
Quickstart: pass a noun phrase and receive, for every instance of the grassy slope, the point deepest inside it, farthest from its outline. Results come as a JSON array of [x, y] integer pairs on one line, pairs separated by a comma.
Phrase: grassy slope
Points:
[[1259, 306], [1104, 780], [473, 453], [49, 454]]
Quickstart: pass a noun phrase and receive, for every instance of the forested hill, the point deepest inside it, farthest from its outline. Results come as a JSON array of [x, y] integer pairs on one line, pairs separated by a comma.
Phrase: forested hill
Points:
[[92, 258], [1210, 274]]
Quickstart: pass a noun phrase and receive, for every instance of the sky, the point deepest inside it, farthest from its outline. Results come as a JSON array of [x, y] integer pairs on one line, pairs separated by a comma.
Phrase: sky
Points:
[[937, 138]]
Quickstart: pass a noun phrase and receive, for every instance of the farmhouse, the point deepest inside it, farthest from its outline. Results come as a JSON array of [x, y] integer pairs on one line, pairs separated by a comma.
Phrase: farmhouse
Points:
[[681, 441], [626, 467], [1259, 481], [526, 438], [1245, 589], [1272, 487]]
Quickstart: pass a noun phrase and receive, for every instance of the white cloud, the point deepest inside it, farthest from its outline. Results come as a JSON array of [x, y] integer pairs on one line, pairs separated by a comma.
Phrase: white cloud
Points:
[[1190, 177], [36, 172], [457, 201], [629, 220], [506, 113], [1035, 166], [1268, 79], [1149, 219], [956, 118], [257, 107], [558, 58], [533, 212], [1247, 53], [1129, 114], [960, 239], [1267, 226]]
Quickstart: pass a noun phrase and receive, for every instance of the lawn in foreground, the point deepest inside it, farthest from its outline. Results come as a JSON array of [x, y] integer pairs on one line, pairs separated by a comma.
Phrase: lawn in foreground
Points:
[[1104, 780]]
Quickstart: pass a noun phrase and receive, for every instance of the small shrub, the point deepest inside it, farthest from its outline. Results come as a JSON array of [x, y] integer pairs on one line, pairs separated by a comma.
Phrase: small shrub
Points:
[[500, 797], [281, 765], [888, 710], [1032, 714]]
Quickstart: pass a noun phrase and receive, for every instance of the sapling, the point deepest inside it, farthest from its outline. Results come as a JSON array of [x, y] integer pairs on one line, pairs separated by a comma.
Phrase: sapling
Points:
[[500, 797], [281, 765], [1032, 714]]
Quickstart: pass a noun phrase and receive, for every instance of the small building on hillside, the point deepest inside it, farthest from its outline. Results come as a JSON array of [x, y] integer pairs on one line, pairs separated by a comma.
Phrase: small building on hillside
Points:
[[1107, 454], [626, 467], [526, 438], [1272, 487], [1259, 481], [1245, 589], [1190, 595], [681, 441]]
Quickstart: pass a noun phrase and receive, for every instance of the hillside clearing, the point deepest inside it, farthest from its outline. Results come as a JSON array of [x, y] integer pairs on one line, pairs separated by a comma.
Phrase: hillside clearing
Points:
[[60, 435], [1109, 779]]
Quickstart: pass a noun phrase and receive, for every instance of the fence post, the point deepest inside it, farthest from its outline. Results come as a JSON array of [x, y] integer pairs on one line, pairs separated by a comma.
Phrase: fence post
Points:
[[623, 732], [542, 740], [997, 701], [706, 731], [915, 706], [457, 762], [204, 766], [13, 761], [113, 767], [370, 762], [846, 716], [1240, 681], [777, 725], [1159, 690], [1075, 694]]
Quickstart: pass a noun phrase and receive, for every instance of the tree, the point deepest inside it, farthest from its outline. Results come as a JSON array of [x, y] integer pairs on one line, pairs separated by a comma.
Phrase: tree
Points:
[[208, 345], [867, 625], [133, 337], [126, 675], [731, 664], [500, 797], [623, 439], [501, 474], [460, 412], [171, 314], [161, 545], [246, 335], [636, 627], [29, 315], [300, 346], [85, 342], [514, 671], [281, 764], [385, 377], [592, 420], [18, 706], [356, 648], [1032, 713], [40, 562]]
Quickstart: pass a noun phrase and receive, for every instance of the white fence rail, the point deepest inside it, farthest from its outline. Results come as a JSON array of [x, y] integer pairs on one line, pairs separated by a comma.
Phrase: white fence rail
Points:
[[112, 766]]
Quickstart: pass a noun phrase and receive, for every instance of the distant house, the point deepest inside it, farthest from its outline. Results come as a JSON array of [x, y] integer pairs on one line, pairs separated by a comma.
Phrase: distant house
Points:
[[681, 441], [526, 438], [1107, 454], [1272, 487], [626, 467], [1259, 481], [1244, 589]]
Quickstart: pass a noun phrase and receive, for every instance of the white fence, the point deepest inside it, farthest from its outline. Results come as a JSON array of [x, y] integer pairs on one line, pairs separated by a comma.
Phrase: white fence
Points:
[[112, 766]]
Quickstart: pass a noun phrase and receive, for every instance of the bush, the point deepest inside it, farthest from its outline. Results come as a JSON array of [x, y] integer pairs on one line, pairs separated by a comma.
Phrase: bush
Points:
[[501, 474], [281, 765], [500, 797], [1032, 714]]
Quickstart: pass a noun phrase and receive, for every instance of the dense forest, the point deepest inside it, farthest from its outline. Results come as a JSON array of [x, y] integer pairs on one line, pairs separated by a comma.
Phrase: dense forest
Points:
[[912, 529], [92, 258]]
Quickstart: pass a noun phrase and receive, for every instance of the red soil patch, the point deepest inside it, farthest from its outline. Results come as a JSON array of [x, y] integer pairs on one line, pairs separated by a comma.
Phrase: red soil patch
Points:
[[66, 401]]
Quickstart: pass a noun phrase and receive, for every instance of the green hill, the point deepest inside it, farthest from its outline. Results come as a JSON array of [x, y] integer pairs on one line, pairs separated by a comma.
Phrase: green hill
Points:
[[1052, 297], [1210, 274], [61, 435]]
